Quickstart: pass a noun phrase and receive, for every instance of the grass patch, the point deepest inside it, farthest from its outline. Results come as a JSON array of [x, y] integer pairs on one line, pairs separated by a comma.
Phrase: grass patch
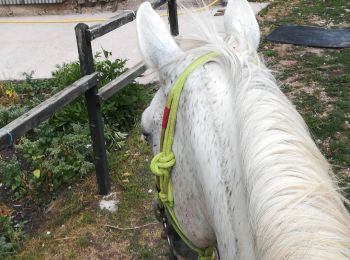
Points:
[[78, 228], [316, 80]]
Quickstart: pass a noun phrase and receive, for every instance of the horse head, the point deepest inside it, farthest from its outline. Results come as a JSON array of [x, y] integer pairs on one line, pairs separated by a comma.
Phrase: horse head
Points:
[[248, 175], [159, 50]]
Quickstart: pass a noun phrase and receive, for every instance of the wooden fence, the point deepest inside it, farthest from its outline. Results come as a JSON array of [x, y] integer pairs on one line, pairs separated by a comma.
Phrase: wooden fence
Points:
[[87, 85]]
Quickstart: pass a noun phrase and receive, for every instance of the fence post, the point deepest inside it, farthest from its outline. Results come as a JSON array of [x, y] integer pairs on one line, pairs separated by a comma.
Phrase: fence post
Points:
[[172, 10], [94, 110]]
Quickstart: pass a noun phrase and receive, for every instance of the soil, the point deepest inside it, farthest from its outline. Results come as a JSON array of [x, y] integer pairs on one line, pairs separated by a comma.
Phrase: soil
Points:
[[19, 211], [28, 211]]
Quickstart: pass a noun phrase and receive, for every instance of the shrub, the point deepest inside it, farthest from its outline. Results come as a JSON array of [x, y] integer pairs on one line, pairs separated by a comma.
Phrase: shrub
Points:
[[59, 150], [121, 110]]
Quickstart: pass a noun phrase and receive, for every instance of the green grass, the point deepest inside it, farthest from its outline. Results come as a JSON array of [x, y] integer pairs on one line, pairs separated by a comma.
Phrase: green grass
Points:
[[76, 214], [325, 13], [330, 73], [324, 73], [132, 176], [333, 12]]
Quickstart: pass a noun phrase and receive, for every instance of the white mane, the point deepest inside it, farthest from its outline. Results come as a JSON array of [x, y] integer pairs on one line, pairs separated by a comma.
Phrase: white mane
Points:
[[295, 209]]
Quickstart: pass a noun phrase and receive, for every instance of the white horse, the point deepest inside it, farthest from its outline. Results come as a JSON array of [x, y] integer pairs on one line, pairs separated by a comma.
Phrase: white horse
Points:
[[247, 175]]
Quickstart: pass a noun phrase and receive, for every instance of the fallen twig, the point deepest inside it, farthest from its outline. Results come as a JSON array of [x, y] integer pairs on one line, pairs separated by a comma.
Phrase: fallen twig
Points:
[[131, 228], [63, 238]]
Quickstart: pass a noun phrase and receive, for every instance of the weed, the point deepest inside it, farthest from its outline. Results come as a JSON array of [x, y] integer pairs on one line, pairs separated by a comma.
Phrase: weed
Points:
[[270, 53], [87, 218], [83, 241], [11, 176], [145, 253], [71, 254], [9, 236]]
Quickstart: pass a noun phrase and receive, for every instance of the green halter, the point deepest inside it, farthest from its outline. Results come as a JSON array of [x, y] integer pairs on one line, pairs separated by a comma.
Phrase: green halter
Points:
[[162, 163]]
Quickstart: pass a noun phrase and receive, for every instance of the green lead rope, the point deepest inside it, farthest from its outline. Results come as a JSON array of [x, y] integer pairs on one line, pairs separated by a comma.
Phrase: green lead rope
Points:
[[163, 162]]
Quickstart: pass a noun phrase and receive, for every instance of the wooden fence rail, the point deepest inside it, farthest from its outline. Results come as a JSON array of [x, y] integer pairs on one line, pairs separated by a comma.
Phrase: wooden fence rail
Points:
[[44, 110], [87, 85], [120, 82]]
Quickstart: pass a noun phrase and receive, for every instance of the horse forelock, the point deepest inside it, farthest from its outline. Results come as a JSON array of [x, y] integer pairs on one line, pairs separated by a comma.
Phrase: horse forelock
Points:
[[295, 208]]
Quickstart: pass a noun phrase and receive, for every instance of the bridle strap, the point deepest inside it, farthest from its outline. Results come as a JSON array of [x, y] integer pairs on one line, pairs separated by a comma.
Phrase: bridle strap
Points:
[[163, 162]]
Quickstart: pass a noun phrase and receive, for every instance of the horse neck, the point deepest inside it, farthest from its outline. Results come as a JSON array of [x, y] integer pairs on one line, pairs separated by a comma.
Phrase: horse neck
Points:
[[265, 190], [294, 208]]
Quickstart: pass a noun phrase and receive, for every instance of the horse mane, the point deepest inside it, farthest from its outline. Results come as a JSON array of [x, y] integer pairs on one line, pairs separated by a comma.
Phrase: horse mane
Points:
[[295, 207]]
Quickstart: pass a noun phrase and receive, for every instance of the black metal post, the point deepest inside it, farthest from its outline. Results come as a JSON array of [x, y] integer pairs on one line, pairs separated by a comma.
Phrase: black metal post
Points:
[[94, 110], [172, 10]]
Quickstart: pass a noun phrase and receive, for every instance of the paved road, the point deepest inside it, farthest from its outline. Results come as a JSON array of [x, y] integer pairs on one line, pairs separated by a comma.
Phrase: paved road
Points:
[[39, 47]]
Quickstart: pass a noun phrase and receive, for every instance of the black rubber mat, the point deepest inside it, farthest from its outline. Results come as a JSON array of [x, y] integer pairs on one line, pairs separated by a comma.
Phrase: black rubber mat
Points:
[[311, 36]]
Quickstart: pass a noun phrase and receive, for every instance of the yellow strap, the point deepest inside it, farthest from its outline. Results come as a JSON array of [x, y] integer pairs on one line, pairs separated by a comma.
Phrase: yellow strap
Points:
[[162, 163]]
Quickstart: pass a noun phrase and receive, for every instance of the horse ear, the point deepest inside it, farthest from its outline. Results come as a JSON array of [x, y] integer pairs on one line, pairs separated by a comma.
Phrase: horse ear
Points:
[[155, 42], [240, 18]]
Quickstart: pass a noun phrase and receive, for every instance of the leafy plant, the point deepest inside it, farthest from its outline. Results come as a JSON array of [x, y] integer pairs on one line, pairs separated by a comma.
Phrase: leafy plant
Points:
[[31, 91], [9, 113], [9, 236], [11, 176], [121, 110], [56, 158], [66, 74]]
